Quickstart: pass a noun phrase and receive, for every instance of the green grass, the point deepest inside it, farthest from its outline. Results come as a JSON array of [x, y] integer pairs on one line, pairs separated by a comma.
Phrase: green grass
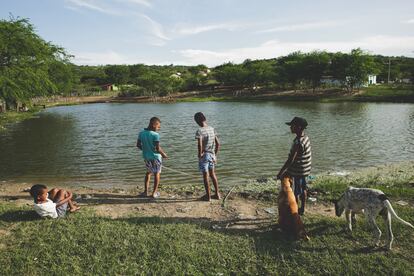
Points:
[[11, 117], [204, 99], [397, 181], [386, 93], [85, 244], [371, 94]]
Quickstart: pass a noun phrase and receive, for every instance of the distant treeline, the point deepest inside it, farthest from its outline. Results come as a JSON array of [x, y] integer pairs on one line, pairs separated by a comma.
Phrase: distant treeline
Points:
[[31, 67], [294, 71]]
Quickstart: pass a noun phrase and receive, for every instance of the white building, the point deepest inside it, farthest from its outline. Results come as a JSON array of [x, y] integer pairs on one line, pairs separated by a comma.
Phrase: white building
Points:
[[372, 79]]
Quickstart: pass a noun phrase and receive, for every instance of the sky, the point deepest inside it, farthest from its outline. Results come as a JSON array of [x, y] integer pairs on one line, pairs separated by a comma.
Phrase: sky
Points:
[[212, 32]]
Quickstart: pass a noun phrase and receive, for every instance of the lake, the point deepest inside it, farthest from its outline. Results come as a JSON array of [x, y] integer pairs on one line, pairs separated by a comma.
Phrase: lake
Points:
[[94, 145]]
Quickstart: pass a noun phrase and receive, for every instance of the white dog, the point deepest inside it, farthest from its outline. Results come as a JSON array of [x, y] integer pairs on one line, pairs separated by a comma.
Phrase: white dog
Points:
[[371, 202]]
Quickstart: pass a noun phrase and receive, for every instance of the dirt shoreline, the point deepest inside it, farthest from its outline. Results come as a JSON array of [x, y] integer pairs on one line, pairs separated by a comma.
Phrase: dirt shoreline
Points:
[[227, 94], [123, 203]]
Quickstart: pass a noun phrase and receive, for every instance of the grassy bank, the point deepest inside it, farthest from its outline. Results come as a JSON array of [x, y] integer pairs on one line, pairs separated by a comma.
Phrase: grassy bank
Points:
[[370, 94], [11, 117], [396, 180], [88, 244], [386, 94]]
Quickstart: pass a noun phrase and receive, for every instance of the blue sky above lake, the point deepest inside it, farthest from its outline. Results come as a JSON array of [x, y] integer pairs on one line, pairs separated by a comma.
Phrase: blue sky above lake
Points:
[[212, 32]]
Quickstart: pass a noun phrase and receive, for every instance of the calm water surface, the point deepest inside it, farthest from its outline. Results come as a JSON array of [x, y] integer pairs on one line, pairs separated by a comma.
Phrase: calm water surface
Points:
[[94, 145]]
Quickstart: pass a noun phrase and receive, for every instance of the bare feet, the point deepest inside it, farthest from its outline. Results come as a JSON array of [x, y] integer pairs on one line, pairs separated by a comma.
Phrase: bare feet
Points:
[[74, 209], [216, 196], [205, 198]]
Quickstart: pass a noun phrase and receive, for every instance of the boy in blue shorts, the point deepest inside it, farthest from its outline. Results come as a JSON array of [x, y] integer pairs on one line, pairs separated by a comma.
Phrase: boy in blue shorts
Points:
[[149, 142], [208, 147], [298, 165]]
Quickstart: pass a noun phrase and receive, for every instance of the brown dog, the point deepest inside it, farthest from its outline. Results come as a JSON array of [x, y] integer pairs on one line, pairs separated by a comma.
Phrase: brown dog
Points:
[[289, 219]]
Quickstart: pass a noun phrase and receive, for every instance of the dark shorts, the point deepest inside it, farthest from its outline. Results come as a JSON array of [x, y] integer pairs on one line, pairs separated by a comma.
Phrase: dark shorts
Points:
[[62, 209], [153, 166], [299, 185]]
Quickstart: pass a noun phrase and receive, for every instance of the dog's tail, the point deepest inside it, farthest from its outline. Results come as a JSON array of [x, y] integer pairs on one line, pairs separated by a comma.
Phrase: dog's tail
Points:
[[387, 204]]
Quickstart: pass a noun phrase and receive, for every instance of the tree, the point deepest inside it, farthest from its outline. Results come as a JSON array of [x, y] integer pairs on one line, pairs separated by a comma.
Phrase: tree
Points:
[[62, 75], [315, 65], [258, 72], [25, 59], [290, 69], [230, 74], [353, 69], [118, 74]]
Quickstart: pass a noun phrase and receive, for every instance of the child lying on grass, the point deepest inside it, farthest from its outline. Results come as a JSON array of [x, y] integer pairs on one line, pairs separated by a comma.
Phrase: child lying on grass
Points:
[[54, 207]]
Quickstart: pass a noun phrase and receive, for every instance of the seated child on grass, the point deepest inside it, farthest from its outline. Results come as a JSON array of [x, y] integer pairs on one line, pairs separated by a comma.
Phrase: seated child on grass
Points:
[[54, 207]]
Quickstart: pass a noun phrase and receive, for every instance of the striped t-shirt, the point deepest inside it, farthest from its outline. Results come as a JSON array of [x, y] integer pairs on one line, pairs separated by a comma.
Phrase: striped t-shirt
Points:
[[302, 164], [208, 135]]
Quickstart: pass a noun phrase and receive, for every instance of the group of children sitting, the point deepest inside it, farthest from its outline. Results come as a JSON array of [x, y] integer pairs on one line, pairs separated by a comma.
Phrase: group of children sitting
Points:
[[56, 202]]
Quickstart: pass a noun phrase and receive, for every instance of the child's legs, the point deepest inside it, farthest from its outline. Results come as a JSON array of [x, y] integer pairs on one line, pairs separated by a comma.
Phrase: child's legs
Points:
[[157, 177], [206, 183], [301, 192], [303, 197], [147, 181], [60, 195], [203, 166], [214, 179], [52, 193]]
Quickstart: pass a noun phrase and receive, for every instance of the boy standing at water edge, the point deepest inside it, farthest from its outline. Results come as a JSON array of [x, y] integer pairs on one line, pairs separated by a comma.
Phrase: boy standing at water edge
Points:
[[208, 146], [149, 142], [298, 165]]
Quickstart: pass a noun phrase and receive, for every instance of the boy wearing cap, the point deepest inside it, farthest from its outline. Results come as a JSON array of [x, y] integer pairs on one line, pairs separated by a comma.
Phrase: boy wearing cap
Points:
[[298, 165]]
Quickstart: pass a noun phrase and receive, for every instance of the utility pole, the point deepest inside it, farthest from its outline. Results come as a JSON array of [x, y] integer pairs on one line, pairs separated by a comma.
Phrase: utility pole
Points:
[[389, 70]]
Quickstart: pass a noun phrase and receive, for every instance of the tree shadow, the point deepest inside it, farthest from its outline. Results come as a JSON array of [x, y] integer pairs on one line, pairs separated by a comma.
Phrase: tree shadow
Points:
[[267, 236], [19, 216], [97, 199], [13, 198]]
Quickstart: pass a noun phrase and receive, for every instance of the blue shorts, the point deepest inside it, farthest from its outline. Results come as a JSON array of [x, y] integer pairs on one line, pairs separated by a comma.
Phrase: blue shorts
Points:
[[206, 163], [153, 166], [299, 185]]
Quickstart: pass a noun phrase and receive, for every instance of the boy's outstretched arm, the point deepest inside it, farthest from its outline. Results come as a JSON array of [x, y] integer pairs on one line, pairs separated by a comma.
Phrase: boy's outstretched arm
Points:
[[217, 147], [289, 161], [160, 150], [139, 144]]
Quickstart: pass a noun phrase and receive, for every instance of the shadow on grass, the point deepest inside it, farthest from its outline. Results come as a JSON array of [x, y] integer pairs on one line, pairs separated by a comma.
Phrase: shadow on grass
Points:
[[266, 234], [267, 237], [13, 198], [19, 216]]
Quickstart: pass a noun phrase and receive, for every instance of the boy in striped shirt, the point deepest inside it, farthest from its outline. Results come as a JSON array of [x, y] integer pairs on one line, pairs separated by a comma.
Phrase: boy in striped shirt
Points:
[[208, 146], [298, 165]]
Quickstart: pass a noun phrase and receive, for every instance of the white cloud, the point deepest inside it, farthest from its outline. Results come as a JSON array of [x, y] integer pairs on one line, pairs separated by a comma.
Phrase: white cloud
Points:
[[302, 27], [100, 58], [409, 21], [192, 30], [156, 30], [386, 45], [139, 2], [149, 30], [91, 5]]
